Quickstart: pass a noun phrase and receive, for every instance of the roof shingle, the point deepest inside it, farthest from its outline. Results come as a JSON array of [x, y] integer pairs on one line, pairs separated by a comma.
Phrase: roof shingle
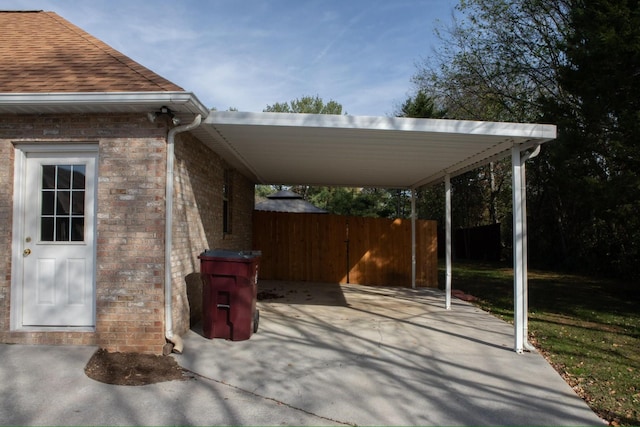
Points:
[[42, 52]]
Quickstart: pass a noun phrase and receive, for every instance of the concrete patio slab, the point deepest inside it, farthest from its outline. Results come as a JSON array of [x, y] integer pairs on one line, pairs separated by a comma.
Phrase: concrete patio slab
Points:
[[324, 355], [361, 355]]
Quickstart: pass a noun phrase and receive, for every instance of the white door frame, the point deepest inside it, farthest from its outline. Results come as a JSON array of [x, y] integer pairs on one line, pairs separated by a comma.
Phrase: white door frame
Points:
[[17, 244]]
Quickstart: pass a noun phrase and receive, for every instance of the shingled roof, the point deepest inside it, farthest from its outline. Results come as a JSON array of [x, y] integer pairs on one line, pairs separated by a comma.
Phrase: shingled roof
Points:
[[43, 53], [287, 201]]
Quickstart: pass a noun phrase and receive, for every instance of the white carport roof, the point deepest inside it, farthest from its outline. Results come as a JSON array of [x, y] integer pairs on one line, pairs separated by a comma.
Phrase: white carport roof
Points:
[[358, 151]]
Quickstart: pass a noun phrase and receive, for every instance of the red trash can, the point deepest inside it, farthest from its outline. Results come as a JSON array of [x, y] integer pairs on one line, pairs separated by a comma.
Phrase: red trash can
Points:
[[229, 294]]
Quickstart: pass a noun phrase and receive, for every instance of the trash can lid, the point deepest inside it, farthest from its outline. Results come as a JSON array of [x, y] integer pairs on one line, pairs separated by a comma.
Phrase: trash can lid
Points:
[[227, 254]]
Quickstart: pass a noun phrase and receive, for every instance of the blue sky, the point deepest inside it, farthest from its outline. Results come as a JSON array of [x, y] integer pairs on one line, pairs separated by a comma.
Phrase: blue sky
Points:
[[249, 54]]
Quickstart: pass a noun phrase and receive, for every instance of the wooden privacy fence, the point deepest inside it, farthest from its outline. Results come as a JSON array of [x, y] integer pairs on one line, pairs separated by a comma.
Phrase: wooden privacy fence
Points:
[[344, 249]]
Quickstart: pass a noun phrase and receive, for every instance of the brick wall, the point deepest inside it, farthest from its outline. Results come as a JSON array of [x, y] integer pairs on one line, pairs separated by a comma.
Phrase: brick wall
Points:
[[130, 239], [197, 223], [130, 226]]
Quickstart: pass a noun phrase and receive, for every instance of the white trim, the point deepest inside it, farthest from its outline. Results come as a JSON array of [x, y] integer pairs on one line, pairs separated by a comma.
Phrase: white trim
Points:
[[56, 329], [460, 127], [22, 150], [47, 147], [15, 321], [186, 101]]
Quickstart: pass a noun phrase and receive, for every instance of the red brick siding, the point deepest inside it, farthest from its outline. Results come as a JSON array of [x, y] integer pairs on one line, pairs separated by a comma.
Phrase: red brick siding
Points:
[[197, 222], [130, 239]]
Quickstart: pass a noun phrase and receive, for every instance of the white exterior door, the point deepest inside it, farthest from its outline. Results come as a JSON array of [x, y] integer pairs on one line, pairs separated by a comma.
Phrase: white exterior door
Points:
[[58, 240]]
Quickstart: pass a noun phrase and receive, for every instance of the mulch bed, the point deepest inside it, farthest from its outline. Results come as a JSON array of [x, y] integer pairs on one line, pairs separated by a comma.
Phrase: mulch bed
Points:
[[134, 368]]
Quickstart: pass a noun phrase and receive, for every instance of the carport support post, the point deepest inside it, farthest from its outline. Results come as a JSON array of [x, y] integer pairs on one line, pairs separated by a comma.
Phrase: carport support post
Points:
[[447, 192], [519, 250], [413, 238]]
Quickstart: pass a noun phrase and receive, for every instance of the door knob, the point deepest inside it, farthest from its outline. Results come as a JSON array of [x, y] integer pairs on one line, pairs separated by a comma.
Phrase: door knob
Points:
[[27, 252]]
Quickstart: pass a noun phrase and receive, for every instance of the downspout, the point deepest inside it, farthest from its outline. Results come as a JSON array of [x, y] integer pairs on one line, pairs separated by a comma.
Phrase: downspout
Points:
[[168, 233]]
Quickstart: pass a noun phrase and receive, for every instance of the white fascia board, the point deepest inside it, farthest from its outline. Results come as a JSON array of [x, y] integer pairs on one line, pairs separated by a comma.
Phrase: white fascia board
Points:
[[113, 99], [496, 153], [464, 127]]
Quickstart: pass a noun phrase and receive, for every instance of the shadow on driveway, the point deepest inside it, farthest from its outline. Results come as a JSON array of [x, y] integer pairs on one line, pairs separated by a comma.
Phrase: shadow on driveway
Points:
[[384, 355]]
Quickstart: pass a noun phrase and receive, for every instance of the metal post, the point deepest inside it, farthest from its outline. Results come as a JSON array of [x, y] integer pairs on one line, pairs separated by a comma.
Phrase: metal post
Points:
[[518, 260], [525, 257], [447, 191], [413, 238]]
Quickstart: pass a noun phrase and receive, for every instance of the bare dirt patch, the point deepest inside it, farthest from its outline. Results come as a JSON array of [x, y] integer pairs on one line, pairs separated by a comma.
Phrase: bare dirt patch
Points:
[[268, 295], [134, 368]]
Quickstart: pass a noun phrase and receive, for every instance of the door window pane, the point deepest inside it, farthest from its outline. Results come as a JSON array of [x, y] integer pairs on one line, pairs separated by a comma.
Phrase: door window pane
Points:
[[62, 205], [62, 208], [77, 229], [64, 176], [77, 203], [46, 229], [79, 177], [48, 200], [62, 229], [48, 177]]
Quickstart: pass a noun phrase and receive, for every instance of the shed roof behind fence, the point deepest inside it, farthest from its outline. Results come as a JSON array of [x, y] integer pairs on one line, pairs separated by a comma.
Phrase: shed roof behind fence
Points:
[[287, 201]]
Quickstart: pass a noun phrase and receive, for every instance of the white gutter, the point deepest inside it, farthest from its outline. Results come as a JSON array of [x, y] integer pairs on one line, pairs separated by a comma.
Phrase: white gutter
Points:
[[168, 239], [99, 102]]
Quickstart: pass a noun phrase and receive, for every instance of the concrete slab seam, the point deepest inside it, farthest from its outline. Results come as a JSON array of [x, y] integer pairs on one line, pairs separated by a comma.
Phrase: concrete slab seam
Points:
[[279, 402]]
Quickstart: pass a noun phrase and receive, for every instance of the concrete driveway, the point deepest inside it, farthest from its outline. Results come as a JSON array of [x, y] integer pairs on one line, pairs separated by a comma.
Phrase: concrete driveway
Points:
[[324, 355], [358, 355]]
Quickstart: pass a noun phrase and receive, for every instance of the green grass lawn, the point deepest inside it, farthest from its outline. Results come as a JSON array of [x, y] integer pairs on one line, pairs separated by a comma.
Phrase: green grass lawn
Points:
[[587, 328]]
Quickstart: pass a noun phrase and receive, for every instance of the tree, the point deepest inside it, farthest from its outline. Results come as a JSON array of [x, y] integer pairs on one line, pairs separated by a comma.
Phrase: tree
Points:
[[306, 104], [498, 59], [421, 105], [349, 201], [596, 166], [574, 63]]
